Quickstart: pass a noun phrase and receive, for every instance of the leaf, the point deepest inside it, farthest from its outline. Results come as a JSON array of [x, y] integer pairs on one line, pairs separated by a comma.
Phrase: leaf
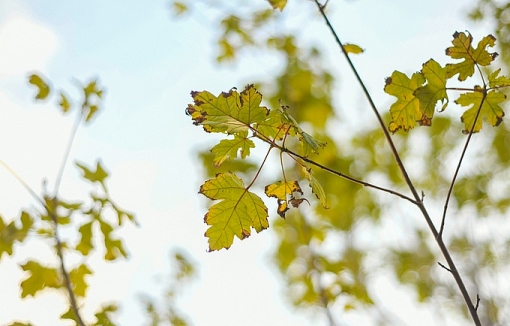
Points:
[[114, 247], [85, 245], [462, 49], [276, 126], [353, 48], [179, 7], [99, 175], [17, 323], [280, 190], [228, 112], [11, 233], [40, 277], [77, 277], [406, 110], [490, 109], [496, 81], [278, 4], [238, 211], [104, 315], [433, 91], [310, 144], [44, 88], [69, 314], [316, 186], [228, 148], [64, 103]]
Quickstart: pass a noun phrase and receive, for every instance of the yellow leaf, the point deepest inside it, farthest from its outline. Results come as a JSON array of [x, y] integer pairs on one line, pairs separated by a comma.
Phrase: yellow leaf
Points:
[[489, 108], [280, 190], [44, 88], [353, 48], [278, 4]]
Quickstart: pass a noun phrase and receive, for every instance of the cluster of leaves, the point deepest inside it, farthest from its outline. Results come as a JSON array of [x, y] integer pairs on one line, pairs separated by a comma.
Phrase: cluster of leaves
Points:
[[90, 217], [418, 95], [242, 116]]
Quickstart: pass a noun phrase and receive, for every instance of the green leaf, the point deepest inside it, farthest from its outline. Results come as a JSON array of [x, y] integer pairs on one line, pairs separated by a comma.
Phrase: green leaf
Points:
[[432, 92], [44, 88], [228, 148], [99, 175], [310, 144], [238, 211], [69, 314], [104, 317], [40, 277], [406, 110], [490, 109], [462, 49], [316, 186], [64, 103], [17, 323], [281, 191], [78, 282], [353, 48], [114, 247], [85, 245], [11, 232], [228, 112], [496, 81], [278, 4], [277, 125]]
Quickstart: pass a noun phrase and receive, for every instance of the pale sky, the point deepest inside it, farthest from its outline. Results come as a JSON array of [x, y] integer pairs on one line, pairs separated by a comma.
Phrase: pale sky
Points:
[[149, 63]]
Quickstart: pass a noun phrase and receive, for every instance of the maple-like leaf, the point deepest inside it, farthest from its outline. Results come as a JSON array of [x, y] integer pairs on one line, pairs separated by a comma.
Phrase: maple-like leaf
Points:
[[276, 125], [432, 92], [406, 110], [99, 175], [238, 211], [462, 49], [230, 112], [228, 148], [490, 109], [78, 282], [44, 88], [281, 191], [40, 277], [496, 81], [85, 245]]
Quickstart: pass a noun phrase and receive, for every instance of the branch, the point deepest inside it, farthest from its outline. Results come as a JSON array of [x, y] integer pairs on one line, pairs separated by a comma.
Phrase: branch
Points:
[[417, 200], [459, 164]]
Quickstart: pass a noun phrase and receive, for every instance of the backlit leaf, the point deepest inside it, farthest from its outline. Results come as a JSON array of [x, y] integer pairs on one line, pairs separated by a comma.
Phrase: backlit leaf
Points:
[[78, 282], [490, 109], [316, 186], [99, 175], [462, 49], [230, 112], [85, 245], [40, 277], [278, 4], [496, 81], [432, 92], [104, 316], [282, 191], [406, 110], [228, 148], [44, 88], [353, 48], [310, 144], [238, 211]]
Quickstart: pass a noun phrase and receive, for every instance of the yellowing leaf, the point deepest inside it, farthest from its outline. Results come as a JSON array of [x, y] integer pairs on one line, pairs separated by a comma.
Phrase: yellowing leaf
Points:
[[238, 211], [230, 112], [462, 49], [99, 175], [406, 110], [496, 81], [64, 103], [228, 148], [433, 91], [78, 282], [280, 190], [85, 245], [490, 109], [316, 186], [276, 126], [40, 277], [278, 4], [44, 88], [353, 48]]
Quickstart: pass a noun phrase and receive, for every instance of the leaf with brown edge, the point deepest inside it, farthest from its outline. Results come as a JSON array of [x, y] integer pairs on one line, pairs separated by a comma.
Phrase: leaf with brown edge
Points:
[[238, 211], [432, 92], [280, 190], [490, 109], [462, 49]]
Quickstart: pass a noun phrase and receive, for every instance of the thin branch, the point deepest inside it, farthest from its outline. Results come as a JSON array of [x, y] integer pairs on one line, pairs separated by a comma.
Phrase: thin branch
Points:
[[23, 183], [417, 201], [444, 267], [448, 196]]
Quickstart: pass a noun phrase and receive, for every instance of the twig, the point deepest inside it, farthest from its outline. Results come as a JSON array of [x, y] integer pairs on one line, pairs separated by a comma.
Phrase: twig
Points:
[[444, 267], [458, 166], [417, 201]]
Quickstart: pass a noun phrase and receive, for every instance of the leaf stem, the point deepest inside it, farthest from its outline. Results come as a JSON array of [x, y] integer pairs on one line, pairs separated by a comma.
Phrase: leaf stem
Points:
[[417, 198], [448, 196]]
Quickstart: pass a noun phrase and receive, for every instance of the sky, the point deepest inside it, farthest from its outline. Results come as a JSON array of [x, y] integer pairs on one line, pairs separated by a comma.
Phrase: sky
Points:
[[149, 61]]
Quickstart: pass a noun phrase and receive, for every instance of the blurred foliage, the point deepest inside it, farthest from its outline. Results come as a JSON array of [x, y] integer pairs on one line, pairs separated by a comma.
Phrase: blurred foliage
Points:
[[328, 257]]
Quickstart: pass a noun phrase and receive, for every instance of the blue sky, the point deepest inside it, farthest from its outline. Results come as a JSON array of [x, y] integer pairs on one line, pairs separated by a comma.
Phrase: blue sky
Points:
[[149, 62]]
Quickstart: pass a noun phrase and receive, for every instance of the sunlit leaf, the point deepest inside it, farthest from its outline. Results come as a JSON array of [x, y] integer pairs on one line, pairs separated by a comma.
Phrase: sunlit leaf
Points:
[[316, 186], [282, 191], [104, 316], [39, 278], [432, 92], [85, 245], [496, 81], [228, 148], [44, 88], [278, 4], [78, 282], [490, 109], [353, 48], [462, 49], [99, 175], [238, 211]]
